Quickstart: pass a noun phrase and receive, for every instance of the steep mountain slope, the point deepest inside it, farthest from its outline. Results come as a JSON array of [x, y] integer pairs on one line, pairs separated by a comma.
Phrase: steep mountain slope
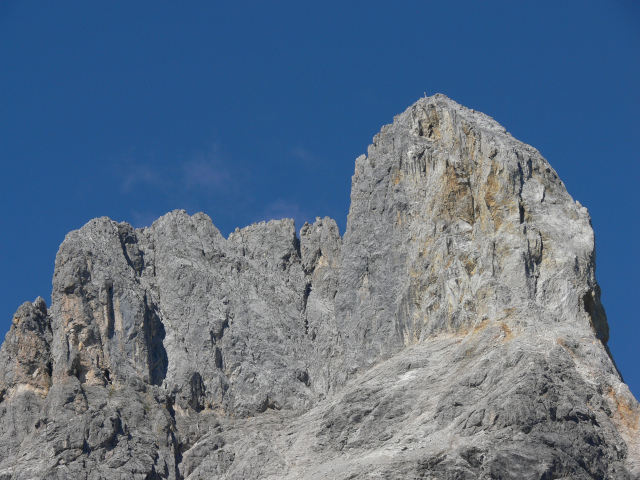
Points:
[[455, 331]]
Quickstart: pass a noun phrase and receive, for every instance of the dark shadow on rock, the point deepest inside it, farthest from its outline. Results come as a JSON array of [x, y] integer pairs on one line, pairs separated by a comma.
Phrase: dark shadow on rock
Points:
[[155, 334]]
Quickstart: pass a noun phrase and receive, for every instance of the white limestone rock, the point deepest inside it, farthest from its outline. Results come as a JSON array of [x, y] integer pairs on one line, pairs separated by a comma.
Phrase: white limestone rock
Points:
[[455, 331]]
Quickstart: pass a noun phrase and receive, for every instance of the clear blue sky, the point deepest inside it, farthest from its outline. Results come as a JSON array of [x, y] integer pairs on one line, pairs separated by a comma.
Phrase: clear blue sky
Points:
[[257, 110]]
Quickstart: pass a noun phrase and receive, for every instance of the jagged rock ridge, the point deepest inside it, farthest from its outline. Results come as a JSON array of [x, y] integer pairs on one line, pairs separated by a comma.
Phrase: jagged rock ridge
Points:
[[455, 331]]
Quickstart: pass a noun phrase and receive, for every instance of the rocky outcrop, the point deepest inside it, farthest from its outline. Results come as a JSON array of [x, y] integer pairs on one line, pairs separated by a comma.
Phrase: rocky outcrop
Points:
[[455, 331]]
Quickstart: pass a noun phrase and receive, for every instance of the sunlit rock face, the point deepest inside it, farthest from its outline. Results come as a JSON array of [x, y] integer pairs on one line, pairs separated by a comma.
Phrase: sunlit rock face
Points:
[[476, 226], [454, 331]]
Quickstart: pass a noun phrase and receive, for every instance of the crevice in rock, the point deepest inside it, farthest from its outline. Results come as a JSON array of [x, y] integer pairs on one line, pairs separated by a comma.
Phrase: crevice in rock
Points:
[[108, 299], [178, 450], [589, 305], [197, 392], [268, 404], [313, 262], [304, 377], [170, 409], [218, 332], [130, 250], [297, 246], [429, 127], [217, 355], [78, 369], [153, 475], [154, 335], [305, 298], [520, 170]]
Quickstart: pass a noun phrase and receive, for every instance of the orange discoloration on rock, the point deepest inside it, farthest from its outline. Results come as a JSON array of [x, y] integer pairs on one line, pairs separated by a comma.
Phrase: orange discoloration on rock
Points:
[[26, 351], [470, 265], [397, 177], [473, 329], [430, 127], [27, 369], [457, 200], [471, 142], [492, 197], [71, 310], [508, 333], [626, 412]]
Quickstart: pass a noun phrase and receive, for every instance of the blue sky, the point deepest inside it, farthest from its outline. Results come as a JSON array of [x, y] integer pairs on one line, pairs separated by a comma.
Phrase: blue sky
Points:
[[256, 110]]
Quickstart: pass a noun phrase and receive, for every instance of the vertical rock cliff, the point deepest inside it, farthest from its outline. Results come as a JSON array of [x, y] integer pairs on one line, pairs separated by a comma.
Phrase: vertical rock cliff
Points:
[[454, 331], [476, 226]]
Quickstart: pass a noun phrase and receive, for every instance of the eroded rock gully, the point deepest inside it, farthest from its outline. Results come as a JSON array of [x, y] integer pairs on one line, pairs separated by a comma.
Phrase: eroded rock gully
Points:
[[454, 331]]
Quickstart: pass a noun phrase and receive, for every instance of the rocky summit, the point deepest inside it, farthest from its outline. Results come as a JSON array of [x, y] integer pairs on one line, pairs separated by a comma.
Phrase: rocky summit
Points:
[[455, 331]]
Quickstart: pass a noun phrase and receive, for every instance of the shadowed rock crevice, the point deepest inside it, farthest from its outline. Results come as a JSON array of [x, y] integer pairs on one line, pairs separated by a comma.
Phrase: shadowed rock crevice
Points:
[[106, 298], [597, 317], [155, 335], [130, 250]]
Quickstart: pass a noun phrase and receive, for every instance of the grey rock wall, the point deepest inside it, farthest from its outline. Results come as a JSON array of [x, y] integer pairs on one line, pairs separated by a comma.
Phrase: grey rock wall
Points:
[[454, 331]]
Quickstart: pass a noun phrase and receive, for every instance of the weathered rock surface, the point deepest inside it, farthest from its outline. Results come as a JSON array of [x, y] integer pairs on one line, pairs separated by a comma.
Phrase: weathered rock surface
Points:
[[455, 331]]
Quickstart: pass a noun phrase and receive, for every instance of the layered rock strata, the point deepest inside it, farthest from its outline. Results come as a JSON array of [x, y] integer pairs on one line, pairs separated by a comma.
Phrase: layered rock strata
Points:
[[454, 331]]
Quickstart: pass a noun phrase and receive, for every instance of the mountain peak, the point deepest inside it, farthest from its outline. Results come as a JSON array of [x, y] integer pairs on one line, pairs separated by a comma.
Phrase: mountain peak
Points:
[[455, 330]]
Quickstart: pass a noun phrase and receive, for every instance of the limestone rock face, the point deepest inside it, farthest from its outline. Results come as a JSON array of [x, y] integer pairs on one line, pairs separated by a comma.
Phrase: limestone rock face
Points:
[[477, 227], [454, 331]]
